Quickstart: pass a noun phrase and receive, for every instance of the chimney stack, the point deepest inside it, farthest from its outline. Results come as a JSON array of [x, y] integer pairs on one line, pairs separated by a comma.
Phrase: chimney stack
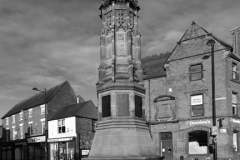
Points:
[[236, 40], [79, 99]]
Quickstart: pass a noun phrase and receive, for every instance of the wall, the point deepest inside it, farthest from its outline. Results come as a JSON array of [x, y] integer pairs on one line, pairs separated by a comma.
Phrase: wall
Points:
[[84, 129], [70, 128]]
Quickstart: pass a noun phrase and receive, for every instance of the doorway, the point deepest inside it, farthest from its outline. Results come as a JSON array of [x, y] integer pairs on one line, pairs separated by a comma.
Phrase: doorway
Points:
[[166, 147]]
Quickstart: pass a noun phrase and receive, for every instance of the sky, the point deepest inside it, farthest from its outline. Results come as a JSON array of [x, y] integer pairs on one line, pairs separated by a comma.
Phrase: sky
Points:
[[46, 42]]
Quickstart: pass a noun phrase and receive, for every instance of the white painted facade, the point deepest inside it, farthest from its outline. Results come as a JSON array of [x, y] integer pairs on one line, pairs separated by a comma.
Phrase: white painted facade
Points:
[[70, 128]]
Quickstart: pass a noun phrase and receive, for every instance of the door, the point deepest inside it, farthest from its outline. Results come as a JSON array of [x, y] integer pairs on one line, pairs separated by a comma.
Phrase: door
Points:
[[166, 145]]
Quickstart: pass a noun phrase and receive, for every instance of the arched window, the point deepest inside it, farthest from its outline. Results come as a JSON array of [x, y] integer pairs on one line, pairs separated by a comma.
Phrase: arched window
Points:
[[198, 142]]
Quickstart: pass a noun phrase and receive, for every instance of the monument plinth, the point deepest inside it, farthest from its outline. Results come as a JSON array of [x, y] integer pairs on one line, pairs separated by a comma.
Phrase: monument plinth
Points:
[[122, 132]]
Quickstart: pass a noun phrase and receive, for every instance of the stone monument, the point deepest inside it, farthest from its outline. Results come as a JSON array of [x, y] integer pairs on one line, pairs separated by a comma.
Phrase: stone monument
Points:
[[122, 132]]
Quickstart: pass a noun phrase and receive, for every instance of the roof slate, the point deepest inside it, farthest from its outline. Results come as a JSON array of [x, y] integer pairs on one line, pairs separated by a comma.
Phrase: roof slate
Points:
[[83, 109], [154, 65], [36, 100]]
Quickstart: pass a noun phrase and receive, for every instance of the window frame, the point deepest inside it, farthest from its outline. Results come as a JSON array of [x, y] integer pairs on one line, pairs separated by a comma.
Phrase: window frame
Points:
[[30, 113], [30, 125], [21, 130], [191, 73], [13, 119], [237, 141], [94, 124], [188, 148], [42, 109], [7, 120], [197, 105], [13, 133], [236, 107], [20, 116], [43, 123], [62, 126], [234, 71]]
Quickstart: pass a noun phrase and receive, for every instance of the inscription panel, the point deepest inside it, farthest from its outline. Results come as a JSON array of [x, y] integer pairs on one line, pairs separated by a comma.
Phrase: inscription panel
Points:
[[123, 104]]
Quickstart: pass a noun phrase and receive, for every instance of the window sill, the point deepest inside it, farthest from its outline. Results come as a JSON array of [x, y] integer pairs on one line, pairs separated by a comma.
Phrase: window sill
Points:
[[234, 80]]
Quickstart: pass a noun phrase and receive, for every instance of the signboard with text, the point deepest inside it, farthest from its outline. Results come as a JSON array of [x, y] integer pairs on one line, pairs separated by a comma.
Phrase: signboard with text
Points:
[[196, 100], [36, 139]]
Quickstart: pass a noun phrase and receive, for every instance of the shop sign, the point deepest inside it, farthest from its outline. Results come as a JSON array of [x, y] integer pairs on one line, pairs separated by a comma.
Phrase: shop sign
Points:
[[235, 120], [85, 152], [60, 139], [36, 139], [223, 130], [196, 100], [198, 122]]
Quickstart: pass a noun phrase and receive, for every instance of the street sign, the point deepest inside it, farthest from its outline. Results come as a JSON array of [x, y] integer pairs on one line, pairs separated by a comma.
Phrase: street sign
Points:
[[214, 130]]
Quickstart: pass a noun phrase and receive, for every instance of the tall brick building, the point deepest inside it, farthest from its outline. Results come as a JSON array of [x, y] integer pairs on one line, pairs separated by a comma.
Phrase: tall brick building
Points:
[[24, 125], [178, 101]]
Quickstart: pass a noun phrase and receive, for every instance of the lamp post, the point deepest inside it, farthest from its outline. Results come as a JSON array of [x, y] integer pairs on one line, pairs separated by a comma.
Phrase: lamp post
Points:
[[46, 124], [211, 43]]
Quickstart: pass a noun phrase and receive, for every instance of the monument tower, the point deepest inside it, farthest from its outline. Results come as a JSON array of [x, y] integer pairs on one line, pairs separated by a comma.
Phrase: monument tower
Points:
[[121, 132]]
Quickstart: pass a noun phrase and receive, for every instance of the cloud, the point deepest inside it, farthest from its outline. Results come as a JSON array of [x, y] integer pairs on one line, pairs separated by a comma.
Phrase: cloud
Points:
[[45, 42]]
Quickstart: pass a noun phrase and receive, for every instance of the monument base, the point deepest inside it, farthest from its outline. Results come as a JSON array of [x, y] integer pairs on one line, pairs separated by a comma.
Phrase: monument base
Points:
[[123, 139], [133, 158]]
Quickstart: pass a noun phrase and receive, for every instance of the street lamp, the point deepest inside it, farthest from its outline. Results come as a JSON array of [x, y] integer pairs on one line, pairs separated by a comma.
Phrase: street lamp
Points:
[[211, 43], [46, 124]]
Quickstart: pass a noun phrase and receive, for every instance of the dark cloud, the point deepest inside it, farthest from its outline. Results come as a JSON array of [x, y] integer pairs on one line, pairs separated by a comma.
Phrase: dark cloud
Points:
[[45, 42]]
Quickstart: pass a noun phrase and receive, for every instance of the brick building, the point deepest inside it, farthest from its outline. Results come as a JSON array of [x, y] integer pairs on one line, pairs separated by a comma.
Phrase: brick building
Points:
[[24, 125], [178, 101], [71, 131]]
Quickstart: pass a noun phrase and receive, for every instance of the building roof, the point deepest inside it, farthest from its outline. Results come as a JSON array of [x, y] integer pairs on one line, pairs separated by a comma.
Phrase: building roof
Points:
[[154, 65], [84, 109], [195, 36], [36, 100]]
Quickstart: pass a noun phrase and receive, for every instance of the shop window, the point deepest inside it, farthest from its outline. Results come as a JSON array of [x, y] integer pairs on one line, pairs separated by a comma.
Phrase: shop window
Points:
[[62, 150], [235, 75], [235, 142], [106, 106], [196, 72], [13, 119], [138, 106], [42, 109], [6, 121], [30, 113], [234, 103], [61, 126], [197, 105], [198, 142], [20, 116]]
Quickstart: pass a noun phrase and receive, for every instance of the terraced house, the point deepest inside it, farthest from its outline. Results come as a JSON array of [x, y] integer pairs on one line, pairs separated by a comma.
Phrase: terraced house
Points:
[[178, 102], [23, 125]]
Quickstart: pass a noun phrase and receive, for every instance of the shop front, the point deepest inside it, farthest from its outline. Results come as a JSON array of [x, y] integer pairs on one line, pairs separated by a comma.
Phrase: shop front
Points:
[[62, 148], [7, 151], [36, 148], [20, 149]]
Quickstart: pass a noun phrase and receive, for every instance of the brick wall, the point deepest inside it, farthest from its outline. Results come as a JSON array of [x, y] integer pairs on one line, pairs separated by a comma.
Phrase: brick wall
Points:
[[84, 129]]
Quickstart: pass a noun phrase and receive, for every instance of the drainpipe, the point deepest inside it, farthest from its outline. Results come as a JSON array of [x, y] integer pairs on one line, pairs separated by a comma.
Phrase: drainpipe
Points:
[[149, 104]]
